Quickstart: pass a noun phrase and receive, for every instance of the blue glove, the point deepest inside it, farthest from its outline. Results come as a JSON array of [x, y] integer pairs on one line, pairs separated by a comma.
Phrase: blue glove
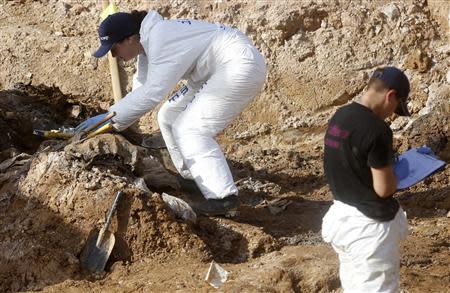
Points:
[[88, 123], [425, 150]]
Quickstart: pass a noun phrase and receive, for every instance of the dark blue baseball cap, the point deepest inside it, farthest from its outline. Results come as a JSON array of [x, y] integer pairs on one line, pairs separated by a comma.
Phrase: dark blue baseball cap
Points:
[[395, 79], [113, 29]]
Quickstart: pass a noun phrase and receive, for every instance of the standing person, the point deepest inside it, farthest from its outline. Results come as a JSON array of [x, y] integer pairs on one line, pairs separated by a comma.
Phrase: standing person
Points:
[[365, 223], [224, 72]]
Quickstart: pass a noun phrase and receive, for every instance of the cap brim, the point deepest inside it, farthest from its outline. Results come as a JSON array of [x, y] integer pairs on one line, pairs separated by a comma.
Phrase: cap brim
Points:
[[402, 109], [102, 51]]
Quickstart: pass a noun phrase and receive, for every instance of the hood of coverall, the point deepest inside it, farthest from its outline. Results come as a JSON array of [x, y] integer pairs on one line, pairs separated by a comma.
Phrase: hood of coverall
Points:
[[150, 20]]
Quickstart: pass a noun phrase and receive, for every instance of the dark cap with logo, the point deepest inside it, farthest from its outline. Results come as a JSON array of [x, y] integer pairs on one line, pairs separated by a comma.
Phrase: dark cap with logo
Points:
[[395, 79], [113, 29]]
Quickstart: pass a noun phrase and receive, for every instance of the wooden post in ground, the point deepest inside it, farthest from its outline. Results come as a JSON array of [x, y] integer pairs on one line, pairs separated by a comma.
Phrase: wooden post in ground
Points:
[[113, 68]]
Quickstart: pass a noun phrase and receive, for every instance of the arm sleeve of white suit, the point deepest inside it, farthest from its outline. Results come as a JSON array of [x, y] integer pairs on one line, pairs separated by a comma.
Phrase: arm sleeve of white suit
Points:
[[170, 58], [140, 76]]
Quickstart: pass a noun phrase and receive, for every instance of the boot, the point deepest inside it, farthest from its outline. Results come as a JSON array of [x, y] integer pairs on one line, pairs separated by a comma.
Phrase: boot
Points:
[[225, 207]]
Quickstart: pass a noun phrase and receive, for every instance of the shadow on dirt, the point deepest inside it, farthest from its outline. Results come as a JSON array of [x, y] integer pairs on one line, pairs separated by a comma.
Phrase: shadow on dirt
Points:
[[300, 183], [226, 244], [27, 107], [300, 217], [434, 202]]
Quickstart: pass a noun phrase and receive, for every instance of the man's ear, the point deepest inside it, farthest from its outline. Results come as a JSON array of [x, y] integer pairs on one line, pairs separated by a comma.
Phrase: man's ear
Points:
[[391, 96]]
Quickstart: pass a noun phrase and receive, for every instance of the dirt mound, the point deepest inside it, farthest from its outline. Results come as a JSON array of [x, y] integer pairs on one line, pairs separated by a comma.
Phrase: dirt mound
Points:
[[52, 199], [48, 218]]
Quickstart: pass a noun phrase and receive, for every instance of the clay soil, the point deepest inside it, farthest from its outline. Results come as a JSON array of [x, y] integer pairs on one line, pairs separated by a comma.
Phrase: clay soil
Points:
[[54, 192]]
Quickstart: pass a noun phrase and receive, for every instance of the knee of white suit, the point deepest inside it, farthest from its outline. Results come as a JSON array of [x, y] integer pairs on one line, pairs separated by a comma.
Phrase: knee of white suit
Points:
[[163, 116], [182, 131]]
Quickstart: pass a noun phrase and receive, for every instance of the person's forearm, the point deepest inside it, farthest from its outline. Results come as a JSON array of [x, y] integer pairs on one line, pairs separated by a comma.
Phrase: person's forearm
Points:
[[384, 181], [132, 107]]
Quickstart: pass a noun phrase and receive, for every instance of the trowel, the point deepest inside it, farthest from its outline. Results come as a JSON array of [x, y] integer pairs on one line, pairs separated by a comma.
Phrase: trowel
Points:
[[99, 244]]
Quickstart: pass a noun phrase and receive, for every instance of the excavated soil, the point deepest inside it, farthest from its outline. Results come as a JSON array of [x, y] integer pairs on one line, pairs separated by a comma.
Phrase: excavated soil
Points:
[[53, 193]]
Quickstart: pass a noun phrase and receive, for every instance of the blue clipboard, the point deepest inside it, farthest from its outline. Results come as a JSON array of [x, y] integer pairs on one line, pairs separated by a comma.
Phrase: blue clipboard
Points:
[[415, 165]]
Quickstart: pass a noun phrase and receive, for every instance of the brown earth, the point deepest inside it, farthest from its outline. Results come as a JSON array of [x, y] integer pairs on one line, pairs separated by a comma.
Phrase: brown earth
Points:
[[319, 54]]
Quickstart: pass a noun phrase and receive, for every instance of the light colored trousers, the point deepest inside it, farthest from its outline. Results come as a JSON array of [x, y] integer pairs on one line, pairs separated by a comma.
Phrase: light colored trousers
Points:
[[190, 120], [368, 250]]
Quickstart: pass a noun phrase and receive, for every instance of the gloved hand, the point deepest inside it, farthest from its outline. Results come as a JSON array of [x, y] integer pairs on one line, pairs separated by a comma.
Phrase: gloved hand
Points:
[[425, 150], [90, 124], [401, 169], [414, 165]]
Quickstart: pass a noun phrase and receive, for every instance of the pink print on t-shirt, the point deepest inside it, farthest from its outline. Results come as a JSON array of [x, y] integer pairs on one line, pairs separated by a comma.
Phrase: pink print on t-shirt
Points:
[[335, 132]]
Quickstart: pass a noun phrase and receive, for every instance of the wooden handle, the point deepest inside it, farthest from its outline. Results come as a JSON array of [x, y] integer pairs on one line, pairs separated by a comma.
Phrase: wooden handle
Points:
[[106, 118], [108, 219], [102, 129]]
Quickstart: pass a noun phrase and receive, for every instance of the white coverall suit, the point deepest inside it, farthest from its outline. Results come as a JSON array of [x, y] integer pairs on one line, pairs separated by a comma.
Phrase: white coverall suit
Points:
[[224, 72], [368, 250]]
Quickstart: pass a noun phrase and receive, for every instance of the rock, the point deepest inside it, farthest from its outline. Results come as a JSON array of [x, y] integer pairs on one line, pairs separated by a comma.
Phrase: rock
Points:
[[47, 47], [348, 19], [399, 123], [391, 11], [378, 29], [62, 8], [432, 232], [418, 60], [75, 111], [438, 97], [78, 8], [445, 49], [63, 48], [448, 76], [448, 214]]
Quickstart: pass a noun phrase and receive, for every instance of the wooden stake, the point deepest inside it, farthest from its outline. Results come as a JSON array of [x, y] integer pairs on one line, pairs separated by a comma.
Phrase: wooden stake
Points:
[[113, 68]]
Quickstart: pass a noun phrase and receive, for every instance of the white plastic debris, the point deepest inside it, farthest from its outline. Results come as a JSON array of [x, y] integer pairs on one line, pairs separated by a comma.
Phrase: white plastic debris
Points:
[[216, 275], [180, 208]]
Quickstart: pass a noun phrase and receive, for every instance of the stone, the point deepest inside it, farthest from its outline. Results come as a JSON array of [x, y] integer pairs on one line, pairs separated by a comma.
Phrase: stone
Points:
[[75, 111], [418, 60], [391, 11], [62, 8]]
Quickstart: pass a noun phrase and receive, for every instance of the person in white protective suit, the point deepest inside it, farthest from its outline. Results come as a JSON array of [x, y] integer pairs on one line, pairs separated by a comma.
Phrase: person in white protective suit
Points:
[[365, 223], [224, 72]]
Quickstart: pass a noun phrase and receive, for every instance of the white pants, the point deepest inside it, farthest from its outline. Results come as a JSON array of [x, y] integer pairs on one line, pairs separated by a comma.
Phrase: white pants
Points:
[[190, 120], [368, 250]]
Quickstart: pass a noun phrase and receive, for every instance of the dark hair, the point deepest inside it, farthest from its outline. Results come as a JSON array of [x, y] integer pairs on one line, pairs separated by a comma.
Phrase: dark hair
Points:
[[138, 16], [376, 83]]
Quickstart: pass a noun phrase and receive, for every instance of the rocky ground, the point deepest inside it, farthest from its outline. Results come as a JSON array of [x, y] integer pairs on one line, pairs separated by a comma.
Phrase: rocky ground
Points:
[[319, 55]]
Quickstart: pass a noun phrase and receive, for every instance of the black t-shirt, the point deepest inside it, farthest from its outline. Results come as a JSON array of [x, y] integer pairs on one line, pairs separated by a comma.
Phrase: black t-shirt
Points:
[[355, 141]]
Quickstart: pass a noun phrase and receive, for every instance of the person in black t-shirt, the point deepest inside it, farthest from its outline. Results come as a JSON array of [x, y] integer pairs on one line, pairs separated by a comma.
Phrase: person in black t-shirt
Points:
[[365, 223]]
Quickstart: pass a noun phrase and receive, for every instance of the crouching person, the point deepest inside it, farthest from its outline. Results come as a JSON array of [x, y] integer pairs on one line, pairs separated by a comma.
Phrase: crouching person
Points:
[[365, 223], [223, 70]]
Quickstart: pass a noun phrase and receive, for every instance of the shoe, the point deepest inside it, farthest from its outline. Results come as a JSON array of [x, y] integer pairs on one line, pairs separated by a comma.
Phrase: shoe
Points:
[[188, 186], [226, 207]]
